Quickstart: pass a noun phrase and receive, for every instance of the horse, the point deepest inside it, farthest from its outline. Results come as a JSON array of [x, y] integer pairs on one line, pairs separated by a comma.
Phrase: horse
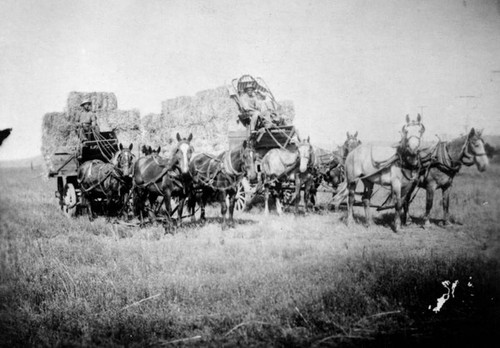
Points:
[[220, 175], [280, 164], [111, 181], [398, 171], [155, 176], [441, 163]]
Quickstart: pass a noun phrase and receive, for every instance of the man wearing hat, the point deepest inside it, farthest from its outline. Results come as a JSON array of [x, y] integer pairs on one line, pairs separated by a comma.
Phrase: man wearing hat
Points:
[[256, 107], [252, 105], [87, 121]]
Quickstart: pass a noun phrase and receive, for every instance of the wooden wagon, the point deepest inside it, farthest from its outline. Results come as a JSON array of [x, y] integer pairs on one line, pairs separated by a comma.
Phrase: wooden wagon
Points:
[[65, 162]]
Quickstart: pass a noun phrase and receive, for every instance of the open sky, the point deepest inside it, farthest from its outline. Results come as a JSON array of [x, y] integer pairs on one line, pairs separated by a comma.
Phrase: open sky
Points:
[[347, 65]]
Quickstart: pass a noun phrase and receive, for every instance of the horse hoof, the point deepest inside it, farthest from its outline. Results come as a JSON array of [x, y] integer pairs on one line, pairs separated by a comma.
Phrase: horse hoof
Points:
[[446, 223]]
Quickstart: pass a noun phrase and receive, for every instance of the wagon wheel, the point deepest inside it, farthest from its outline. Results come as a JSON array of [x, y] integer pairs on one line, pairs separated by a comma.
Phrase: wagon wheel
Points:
[[69, 201], [243, 193]]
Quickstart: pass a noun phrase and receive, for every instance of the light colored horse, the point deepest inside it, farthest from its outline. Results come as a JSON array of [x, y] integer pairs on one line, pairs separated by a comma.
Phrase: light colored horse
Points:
[[397, 171], [279, 165], [441, 163]]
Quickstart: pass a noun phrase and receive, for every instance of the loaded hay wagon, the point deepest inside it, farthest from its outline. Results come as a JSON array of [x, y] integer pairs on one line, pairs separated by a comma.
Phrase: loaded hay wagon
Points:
[[264, 139], [66, 161]]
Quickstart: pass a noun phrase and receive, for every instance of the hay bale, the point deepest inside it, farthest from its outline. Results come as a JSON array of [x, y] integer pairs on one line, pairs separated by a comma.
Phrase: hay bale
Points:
[[57, 132], [125, 123]]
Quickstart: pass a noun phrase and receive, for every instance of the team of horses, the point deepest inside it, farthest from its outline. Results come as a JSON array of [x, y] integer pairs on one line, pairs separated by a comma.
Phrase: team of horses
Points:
[[147, 185]]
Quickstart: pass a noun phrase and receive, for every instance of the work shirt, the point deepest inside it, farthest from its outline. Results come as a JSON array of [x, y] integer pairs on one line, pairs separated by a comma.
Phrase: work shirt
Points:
[[86, 118], [249, 103]]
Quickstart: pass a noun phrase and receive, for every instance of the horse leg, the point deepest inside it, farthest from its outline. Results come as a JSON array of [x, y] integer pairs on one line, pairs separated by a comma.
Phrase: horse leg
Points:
[[308, 195], [88, 204], [367, 194], [396, 194], [203, 201], [298, 182], [180, 208], [167, 225], [406, 219], [232, 201], [266, 199], [278, 197], [191, 203], [429, 199], [351, 187], [446, 205], [223, 208]]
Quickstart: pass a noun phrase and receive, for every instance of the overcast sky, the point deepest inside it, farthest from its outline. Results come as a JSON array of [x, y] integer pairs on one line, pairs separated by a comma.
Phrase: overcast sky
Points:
[[347, 65]]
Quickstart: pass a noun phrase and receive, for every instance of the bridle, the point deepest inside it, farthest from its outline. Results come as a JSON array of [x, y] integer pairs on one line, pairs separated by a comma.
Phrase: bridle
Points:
[[466, 157]]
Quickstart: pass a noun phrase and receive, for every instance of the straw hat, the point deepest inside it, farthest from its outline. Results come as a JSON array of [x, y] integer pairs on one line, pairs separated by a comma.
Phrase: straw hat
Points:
[[85, 101]]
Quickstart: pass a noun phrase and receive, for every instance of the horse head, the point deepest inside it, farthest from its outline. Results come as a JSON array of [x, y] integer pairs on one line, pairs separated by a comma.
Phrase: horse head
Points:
[[474, 151], [182, 153], [305, 150], [412, 133], [247, 156], [124, 160], [350, 144], [146, 150]]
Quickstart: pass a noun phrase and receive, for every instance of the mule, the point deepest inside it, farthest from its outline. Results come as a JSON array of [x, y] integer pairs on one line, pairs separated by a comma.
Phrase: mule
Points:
[[220, 175], [155, 176], [108, 181], [398, 172], [281, 164], [441, 164]]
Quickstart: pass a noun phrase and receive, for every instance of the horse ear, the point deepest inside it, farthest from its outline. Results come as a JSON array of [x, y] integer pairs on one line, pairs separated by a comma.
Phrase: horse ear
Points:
[[121, 146], [356, 134], [407, 118], [419, 118], [131, 146], [308, 139], [190, 137], [347, 133], [178, 137], [159, 149], [472, 132], [245, 144]]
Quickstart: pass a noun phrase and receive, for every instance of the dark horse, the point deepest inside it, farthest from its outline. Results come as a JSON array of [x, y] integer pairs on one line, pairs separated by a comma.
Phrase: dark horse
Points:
[[282, 164], [220, 175], [441, 163], [109, 181], [334, 173], [155, 176], [398, 169]]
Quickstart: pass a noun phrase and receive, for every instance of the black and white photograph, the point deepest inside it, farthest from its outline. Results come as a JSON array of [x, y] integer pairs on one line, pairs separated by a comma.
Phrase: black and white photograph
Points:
[[266, 173]]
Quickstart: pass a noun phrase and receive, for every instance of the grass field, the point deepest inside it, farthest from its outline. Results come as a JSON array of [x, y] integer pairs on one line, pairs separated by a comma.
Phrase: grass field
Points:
[[305, 281]]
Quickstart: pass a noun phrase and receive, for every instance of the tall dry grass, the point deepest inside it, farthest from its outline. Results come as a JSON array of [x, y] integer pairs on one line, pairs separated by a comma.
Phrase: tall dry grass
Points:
[[275, 281]]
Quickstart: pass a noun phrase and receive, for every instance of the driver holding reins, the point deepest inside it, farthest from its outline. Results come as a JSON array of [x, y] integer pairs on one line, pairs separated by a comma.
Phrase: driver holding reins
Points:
[[256, 107], [87, 121]]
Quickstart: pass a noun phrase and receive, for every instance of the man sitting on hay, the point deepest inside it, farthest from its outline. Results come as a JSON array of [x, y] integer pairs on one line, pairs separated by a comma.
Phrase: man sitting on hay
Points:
[[87, 121], [257, 107]]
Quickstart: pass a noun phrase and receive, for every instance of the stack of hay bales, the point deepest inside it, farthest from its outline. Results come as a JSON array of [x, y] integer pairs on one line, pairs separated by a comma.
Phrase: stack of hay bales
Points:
[[59, 128], [209, 116]]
